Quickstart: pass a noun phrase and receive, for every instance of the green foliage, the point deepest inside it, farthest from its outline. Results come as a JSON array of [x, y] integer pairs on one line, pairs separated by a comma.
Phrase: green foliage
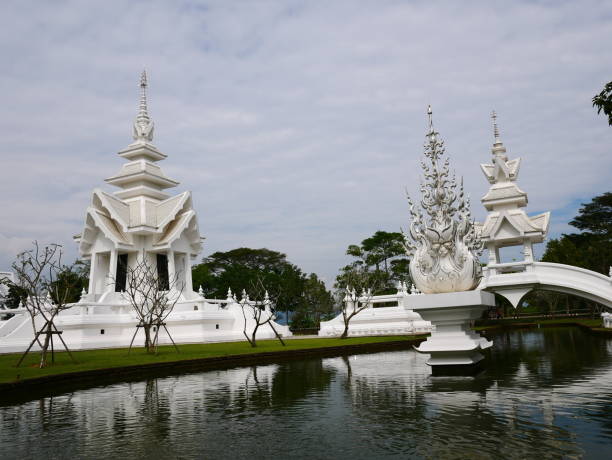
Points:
[[14, 296], [380, 261], [71, 280], [243, 267], [317, 302], [202, 276], [596, 216], [591, 249], [603, 102]]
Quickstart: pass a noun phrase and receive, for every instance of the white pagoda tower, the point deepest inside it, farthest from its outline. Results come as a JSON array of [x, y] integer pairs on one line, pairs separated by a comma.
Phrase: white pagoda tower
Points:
[[507, 224], [139, 220]]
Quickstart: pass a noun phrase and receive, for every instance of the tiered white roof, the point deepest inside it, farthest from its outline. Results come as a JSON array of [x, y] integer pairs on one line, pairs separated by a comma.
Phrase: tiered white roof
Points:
[[141, 206], [507, 224]]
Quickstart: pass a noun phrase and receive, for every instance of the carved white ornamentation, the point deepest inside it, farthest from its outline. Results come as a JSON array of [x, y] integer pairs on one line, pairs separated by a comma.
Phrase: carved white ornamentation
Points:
[[443, 245]]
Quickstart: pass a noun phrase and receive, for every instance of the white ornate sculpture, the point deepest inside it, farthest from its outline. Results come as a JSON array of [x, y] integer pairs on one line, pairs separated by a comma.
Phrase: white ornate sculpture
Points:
[[445, 245]]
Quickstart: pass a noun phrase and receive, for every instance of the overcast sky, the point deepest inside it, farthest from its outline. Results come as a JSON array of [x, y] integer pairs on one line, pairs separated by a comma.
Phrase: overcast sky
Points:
[[297, 125]]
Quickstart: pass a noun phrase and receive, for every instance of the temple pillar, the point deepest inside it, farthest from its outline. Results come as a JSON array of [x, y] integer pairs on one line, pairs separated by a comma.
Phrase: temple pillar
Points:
[[188, 279], [112, 270], [91, 288], [493, 258], [171, 268], [528, 253]]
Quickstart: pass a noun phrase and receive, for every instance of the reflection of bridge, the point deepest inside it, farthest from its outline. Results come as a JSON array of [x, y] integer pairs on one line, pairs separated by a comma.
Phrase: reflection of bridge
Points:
[[514, 280]]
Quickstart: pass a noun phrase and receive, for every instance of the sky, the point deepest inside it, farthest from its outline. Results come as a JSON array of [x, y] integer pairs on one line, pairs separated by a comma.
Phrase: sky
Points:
[[297, 125]]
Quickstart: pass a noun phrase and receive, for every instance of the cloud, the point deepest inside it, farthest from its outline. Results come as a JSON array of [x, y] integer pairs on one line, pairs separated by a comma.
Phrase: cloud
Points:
[[297, 125]]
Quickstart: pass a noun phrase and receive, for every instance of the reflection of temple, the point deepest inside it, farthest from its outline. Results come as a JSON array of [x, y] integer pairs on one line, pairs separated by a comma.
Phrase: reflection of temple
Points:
[[140, 220], [380, 403]]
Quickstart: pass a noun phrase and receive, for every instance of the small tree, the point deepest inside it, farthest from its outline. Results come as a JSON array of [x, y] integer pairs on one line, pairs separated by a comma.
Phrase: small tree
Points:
[[257, 304], [152, 297], [36, 280], [352, 282]]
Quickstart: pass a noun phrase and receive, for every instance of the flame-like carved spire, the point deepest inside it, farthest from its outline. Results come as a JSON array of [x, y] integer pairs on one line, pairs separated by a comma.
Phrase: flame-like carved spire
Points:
[[143, 125], [443, 243]]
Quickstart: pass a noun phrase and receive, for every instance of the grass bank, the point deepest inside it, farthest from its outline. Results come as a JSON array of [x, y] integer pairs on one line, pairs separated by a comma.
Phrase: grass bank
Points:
[[192, 355]]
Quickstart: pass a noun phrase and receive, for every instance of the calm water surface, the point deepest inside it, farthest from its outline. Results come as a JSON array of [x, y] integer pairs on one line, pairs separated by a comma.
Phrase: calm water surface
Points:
[[546, 393]]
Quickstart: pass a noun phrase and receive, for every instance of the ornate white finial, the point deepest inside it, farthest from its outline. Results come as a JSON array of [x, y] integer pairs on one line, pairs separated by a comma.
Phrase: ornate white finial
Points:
[[143, 126], [432, 132], [229, 293], [445, 245], [498, 146], [495, 129], [201, 291]]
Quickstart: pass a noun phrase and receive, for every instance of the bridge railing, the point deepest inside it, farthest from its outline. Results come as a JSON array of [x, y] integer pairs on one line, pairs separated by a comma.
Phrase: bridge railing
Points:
[[508, 267]]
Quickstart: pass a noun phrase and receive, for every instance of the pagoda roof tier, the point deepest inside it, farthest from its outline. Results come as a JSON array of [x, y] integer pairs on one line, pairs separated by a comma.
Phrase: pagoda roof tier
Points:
[[140, 150], [501, 169], [141, 172], [504, 194], [514, 225], [119, 220], [141, 191]]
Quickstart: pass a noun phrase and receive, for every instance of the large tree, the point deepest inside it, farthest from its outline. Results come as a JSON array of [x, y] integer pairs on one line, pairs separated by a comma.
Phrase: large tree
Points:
[[317, 302], [242, 267], [380, 259], [591, 249]]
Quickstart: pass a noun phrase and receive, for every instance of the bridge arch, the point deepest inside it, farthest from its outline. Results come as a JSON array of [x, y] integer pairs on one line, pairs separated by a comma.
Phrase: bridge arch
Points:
[[514, 280]]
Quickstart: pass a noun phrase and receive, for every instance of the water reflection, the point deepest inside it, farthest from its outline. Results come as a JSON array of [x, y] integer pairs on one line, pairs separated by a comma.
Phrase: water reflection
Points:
[[545, 392]]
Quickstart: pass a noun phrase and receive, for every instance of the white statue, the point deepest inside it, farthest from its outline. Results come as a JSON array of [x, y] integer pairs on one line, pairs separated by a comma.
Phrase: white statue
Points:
[[445, 245]]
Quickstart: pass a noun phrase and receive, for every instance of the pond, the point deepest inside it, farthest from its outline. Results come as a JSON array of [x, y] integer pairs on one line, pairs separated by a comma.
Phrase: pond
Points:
[[545, 392]]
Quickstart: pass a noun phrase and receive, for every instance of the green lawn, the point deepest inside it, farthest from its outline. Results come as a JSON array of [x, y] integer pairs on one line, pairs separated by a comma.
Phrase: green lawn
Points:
[[112, 358]]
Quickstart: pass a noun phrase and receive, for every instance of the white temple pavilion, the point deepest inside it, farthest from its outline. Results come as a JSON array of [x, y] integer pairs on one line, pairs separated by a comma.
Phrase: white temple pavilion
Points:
[[139, 220]]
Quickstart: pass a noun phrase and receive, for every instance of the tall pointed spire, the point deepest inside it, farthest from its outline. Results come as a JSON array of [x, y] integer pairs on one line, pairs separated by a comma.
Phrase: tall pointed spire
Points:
[[432, 131], [141, 176], [143, 125], [498, 146], [495, 129]]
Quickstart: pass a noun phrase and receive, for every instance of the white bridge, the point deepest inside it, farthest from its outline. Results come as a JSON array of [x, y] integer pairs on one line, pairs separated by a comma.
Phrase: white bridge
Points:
[[514, 280]]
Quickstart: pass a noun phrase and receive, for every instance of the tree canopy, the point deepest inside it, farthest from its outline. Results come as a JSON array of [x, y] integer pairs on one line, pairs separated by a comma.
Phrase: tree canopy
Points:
[[381, 258], [236, 269], [591, 249], [603, 102]]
